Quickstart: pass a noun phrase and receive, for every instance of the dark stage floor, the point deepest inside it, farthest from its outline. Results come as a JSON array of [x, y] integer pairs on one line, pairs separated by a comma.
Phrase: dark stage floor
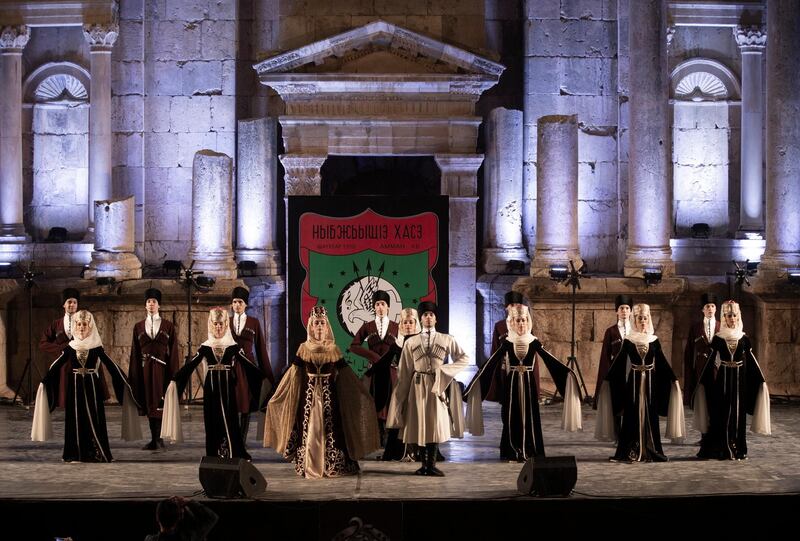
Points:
[[117, 500]]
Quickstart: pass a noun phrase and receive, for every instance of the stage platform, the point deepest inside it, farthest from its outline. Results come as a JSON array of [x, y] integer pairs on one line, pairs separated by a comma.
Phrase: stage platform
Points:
[[478, 498]]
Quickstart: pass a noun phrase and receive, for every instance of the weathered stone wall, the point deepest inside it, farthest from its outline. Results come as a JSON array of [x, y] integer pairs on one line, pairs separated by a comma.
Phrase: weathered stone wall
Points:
[[705, 179], [778, 347], [60, 170], [504, 33], [174, 88], [460, 22], [571, 68]]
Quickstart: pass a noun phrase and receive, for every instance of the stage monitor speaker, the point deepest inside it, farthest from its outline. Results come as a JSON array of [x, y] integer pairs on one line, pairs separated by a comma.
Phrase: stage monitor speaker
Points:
[[230, 478], [548, 476]]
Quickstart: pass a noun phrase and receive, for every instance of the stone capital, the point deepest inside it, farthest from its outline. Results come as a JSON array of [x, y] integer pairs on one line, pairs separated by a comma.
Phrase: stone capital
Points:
[[459, 163], [14, 38], [459, 173], [750, 38], [302, 173], [100, 37]]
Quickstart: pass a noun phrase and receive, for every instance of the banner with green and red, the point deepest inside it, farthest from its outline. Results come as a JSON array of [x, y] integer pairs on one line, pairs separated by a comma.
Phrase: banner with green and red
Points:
[[343, 249]]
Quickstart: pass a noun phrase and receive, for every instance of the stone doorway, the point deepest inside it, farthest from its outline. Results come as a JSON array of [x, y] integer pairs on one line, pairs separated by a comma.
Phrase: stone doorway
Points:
[[380, 175]]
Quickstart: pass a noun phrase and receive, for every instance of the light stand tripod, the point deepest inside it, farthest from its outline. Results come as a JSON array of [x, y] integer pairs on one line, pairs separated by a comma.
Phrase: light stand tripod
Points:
[[572, 277], [28, 276], [191, 278]]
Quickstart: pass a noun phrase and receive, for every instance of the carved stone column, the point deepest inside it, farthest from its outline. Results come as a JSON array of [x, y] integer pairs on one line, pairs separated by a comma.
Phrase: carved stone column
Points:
[[256, 195], [783, 137], [556, 194], [114, 241], [12, 41], [649, 198], [212, 214], [751, 41], [460, 182], [302, 175], [101, 39], [503, 191]]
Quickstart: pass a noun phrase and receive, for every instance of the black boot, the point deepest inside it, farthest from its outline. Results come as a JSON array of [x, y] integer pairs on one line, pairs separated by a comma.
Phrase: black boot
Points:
[[155, 434], [431, 449], [382, 431], [423, 454], [244, 426]]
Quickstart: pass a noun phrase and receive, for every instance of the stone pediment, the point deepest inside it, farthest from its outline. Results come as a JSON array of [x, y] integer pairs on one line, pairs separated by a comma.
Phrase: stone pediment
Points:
[[379, 59], [380, 47]]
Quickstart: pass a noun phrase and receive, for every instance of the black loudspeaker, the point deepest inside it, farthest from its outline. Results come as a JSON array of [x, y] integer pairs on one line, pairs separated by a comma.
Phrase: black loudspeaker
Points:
[[548, 476], [230, 478]]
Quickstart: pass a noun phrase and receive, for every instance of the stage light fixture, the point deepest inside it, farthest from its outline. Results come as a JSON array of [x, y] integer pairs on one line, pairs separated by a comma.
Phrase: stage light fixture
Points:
[[652, 275], [204, 282], [559, 273], [701, 231], [246, 268], [6, 270], [105, 280], [793, 275], [171, 267], [57, 234], [515, 266]]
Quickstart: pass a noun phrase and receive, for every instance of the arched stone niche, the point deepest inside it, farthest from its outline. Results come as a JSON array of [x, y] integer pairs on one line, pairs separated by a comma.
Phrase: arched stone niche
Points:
[[705, 98], [57, 97]]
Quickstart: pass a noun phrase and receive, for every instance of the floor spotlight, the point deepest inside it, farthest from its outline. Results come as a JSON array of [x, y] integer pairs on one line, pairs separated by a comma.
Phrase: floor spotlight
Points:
[[515, 266], [204, 282], [559, 273], [793, 275], [57, 234], [171, 267], [247, 268], [701, 231], [7, 270], [652, 275]]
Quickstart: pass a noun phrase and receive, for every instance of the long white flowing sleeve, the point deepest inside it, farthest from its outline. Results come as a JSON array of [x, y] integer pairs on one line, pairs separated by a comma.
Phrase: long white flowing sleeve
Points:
[[604, 426], [396, 418], [456, 403], [700, 406], [171, 429], [676, 420], [474, 417], [131, 429], [571, 414], [761, 423], [42, 429]]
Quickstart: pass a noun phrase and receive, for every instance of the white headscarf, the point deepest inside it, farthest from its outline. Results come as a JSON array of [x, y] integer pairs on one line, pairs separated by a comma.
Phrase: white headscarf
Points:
[[90, 342], [636, 336], [520, 341], [407, 313], [216, 315], [725, 332]]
